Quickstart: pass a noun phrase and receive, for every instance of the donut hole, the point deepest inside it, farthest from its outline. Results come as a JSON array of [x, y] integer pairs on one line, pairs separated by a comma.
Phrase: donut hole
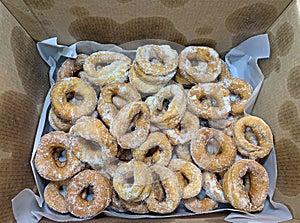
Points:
[[234, 96], [250, 136], [124, 154], [246, 182], [129, 180], [100, 65], [181, 128], [209, 101], [152, 151], [87, 193], [62, 190], [74, 98], [165, 104], [204, 122], [196, 61], [132, 125], [59, 156], [213, 147], [156, 60], [161, 194]]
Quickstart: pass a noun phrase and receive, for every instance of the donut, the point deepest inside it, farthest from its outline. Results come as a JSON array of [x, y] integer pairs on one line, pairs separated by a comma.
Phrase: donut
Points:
[[48, 161], [157, 60], [214, 161], [209, 101], [120, 205], [143, 87], [113, 97], [132, 181], [198, 205], [182, 151], [213, 187], [152, 79], [240, 92], [170, 184], [262, 136], [225, 74], [167, 106], [185, 129], [81, 206], [193, 175], [94, 144], [71, 67], [57, 124], [105, 67], [131, 125], [254, 199], [199, 64], [155, 150], [72, 98], [54, 196]]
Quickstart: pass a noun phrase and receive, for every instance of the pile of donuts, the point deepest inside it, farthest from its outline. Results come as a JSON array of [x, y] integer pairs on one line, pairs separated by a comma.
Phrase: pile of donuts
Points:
[[143, 136]]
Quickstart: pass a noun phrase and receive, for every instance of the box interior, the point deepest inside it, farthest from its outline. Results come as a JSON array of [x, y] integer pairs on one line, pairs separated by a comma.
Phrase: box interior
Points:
[[219, 24]]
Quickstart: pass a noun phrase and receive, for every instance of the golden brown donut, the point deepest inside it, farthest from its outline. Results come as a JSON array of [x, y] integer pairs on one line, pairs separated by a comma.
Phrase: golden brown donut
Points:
[[167, 106], [213, 187], [193, 175], [156, 60], [96, 145], [171, 187], [254, 199], [113, 97], [211, 160], [82, 102], [240, 92], [209, 101], [81, 206], [199, 64], [182, 151], [196, 204], [57, 124], [54, 196], [185, 129], [105, 67], [47, 158], [143, 87], [162, 153], [132, 181], [131, 125], [71, 67], [262, 135]]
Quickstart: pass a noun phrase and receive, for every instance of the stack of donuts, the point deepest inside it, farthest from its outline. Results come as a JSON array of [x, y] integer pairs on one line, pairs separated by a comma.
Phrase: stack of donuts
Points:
[[143, 136]]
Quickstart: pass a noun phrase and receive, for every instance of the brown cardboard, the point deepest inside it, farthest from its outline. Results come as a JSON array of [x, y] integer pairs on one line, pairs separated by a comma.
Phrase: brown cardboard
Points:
[[279, 105], [23, 86], [221, 24]]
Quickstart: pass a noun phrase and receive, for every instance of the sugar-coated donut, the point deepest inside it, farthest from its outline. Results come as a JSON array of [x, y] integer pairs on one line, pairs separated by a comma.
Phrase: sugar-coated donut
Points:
[[262, 142], [104, 67], [171, 187], [213, 187], [185, 129], [199, 64], [131, 125], [211, 160], [167, 106], [113, 97], [163, 150], [71, 67], [82, 99], [58, 124], [132, 181], [54, 196], [209, 101], [96, 146], [254, 199], [47, 157], [193, 175], [82, 207]]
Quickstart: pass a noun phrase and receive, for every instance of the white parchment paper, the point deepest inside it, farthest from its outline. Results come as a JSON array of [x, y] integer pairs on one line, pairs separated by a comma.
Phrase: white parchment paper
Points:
[[242, 62]]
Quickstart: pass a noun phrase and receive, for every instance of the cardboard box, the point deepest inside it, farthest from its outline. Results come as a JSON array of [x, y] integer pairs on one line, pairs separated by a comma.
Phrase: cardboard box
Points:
[[219, 24]]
